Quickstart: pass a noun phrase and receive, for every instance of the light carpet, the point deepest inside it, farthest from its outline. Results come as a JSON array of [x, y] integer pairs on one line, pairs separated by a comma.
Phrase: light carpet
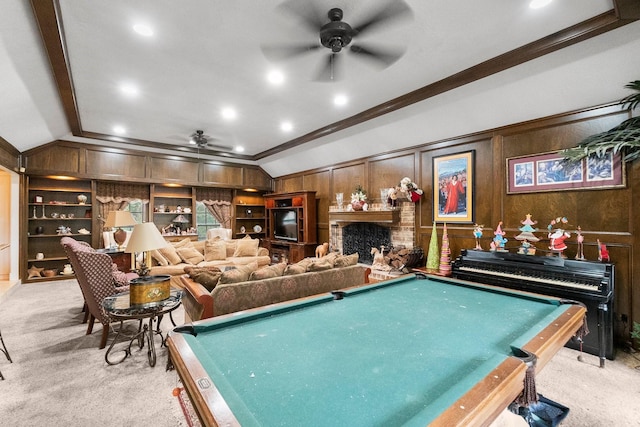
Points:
[[59, 376]]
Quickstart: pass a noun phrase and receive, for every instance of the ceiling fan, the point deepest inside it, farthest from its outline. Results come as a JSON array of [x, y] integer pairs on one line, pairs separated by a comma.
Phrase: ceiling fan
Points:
[[199, 139], [337, 35]]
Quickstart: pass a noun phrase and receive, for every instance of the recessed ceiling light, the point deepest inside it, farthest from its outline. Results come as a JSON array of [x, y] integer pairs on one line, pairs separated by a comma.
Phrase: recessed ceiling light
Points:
[[537, 4], [275, 77], [143, 30], [286, 126], [129, 89], [119, 130], [229, 113], [239, 149], [340, 100]]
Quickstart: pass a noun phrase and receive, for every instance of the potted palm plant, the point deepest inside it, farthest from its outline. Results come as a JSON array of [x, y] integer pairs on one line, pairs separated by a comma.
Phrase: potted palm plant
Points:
[[624, 138]]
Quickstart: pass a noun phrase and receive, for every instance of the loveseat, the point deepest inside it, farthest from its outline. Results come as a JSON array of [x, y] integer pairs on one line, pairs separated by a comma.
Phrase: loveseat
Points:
[[205, 298], [215, 252]]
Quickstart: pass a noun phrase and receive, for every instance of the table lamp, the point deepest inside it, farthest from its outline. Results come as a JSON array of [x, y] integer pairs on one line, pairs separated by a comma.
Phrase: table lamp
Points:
[[145, 237], [119, 219]]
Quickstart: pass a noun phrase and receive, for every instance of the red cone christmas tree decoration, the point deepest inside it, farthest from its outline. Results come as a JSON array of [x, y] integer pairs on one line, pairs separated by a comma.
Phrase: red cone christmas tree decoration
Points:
[[445, 254]]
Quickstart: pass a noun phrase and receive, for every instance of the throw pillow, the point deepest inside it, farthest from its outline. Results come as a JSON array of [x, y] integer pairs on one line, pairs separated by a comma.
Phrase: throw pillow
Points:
[[231, 247], [190, 255], [330, 258], [206, 276], [239, 274], [346, 260], [268, 272], [157, 256], [186, 242], [294, 269], [246, 247], [170, 254], [215, 250], [320, 266]]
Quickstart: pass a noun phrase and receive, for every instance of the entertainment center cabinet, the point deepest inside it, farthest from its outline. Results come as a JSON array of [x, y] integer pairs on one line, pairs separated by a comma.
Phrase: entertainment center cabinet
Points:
[[291, 225]]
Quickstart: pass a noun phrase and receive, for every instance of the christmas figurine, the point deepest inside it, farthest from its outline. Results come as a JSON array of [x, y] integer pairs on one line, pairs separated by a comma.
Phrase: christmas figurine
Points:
[[477, 233], [498, 242], [580, 239], [603, 252], [557, 237], [526, 236]]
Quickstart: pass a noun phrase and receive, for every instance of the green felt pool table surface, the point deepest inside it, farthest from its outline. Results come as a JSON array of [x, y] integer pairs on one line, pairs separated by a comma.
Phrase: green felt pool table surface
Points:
[[402, 352]]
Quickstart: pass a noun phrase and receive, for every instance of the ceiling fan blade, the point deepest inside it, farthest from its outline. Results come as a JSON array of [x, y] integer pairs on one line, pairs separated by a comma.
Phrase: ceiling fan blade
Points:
[[394, 10], [382, 57], [279, 53], [309, 15], [330, 70]]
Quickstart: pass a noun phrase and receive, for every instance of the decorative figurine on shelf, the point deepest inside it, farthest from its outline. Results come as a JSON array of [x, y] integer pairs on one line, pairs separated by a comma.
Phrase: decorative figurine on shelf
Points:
[[498, 242], [410, 189], [557, 237], [82, 199], [477, 233], [379, 263], [527, 237], [580, 240], [392, 197], [322, 250], [603, 252]]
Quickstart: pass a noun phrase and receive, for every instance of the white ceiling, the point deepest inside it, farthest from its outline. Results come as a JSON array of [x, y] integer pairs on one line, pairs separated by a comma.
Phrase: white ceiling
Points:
[[206, 54]]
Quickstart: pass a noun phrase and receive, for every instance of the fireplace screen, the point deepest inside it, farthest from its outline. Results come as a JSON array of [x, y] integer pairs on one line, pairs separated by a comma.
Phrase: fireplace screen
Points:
[[362, 237]]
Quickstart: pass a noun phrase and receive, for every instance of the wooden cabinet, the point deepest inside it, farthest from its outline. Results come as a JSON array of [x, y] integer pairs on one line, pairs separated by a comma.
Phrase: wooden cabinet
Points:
[[55, 208], [249, 216], [291, 225], [169, 204]]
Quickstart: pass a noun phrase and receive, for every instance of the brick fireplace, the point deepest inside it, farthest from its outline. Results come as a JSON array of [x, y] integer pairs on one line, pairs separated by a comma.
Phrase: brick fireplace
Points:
[[360, 231]]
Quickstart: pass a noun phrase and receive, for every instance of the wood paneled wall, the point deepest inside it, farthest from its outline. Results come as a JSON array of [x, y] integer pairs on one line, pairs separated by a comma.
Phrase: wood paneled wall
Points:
[[101, 163], [605, 214]]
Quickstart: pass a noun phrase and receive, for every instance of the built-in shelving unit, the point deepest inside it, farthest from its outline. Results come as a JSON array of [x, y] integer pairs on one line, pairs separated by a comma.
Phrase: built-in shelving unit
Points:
[[55, 208], [249, 216], [166, 204], [291, 225]]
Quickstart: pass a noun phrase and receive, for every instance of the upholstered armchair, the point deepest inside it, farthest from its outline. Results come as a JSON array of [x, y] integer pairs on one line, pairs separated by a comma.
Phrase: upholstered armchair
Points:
[[98, 278]]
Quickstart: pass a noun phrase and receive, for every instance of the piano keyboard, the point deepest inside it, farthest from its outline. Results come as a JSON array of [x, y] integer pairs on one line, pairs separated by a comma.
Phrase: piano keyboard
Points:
[[544, 280]]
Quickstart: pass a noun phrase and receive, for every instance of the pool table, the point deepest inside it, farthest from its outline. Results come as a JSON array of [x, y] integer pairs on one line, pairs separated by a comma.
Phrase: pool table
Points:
[[418, 350]]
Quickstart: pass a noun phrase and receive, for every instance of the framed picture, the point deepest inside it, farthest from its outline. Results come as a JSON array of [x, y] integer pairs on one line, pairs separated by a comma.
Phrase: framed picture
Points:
[[453, 183], [548, 172]]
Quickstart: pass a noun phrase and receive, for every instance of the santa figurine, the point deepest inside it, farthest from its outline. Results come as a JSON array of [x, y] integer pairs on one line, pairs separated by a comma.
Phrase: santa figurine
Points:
[[556, 241]]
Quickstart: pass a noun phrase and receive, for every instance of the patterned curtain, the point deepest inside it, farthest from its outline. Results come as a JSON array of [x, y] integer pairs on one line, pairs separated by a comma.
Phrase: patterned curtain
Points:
[[218, 202], [113, 196]]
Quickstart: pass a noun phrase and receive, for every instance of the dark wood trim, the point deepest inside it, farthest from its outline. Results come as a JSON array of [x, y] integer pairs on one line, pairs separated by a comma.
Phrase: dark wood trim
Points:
[[46, 13], [9, 156], [52, 31], [564, 38], [627, 9]]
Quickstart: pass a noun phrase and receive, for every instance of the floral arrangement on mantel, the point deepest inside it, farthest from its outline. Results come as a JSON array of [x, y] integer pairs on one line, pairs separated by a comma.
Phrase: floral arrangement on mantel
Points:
[[358, 199], [410, 188]]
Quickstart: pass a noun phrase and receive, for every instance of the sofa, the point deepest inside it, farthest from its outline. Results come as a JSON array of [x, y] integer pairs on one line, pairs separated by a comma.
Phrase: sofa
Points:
[[214, 252], [202, 300]]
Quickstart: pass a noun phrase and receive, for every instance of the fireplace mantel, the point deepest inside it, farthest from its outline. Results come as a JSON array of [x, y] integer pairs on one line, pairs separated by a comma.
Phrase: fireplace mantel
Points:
[[389, 216]]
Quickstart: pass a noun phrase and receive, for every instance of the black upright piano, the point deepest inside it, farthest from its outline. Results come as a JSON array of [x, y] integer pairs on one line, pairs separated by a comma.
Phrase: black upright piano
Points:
[[591, 283]]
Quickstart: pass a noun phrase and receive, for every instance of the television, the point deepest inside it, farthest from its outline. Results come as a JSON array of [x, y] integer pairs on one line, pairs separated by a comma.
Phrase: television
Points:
[[285, 224]]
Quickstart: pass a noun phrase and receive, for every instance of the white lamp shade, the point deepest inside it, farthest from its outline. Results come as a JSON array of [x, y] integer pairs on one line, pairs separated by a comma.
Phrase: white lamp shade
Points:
[[145, 237], [119, 219]]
